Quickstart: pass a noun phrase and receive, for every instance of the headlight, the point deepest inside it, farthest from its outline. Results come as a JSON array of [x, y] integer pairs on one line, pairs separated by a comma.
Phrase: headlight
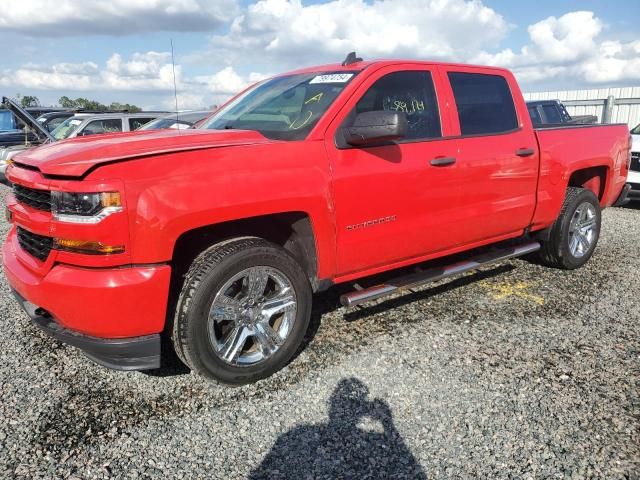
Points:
[[84, 207]]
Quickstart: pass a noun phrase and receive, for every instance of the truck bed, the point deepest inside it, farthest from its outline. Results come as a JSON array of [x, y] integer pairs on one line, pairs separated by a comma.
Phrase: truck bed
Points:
[[568, 148]]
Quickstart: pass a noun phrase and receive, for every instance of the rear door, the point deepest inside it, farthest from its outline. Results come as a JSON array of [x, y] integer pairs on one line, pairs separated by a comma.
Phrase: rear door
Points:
[[395, 201], [497, 157]]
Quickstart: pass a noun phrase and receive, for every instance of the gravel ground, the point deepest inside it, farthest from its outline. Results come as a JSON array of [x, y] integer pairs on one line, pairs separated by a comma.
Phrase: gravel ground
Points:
[[517, 371]]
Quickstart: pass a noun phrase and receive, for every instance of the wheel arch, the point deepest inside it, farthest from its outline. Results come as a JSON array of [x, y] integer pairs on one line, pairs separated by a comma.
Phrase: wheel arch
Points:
[[591, 178], [291, 230]]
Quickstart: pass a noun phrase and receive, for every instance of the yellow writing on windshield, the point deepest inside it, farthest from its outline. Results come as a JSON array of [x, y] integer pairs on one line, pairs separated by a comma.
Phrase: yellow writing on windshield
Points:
[[315, 98], [297, 124]]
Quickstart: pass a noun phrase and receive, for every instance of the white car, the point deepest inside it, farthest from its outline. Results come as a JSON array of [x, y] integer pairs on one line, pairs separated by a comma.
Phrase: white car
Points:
[[634, 170]]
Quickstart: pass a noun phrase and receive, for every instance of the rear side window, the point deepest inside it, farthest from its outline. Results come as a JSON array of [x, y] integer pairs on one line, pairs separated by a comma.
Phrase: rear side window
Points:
[[552, 114], [411, 93], [484, 103], [136, 122]]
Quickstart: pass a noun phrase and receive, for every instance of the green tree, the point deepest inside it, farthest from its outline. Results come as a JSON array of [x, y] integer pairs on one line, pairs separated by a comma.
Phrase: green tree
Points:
[[86, 104], [124, 106], [66, 102], [29, 101]]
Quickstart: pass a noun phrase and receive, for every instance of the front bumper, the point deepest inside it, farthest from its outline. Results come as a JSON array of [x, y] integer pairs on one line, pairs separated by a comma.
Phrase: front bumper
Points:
[[138, 353], [114, 314]]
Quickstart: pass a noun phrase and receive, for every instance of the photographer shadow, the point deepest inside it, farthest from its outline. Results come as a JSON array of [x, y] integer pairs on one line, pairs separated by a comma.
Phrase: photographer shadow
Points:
[[359, 441]]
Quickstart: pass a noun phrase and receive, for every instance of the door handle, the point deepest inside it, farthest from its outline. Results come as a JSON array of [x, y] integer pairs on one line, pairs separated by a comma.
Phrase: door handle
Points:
[[525, 152], [443, 161]]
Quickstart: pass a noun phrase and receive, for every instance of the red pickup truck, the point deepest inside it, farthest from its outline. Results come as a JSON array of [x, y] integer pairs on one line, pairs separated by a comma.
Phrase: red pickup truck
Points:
[[212, 241]]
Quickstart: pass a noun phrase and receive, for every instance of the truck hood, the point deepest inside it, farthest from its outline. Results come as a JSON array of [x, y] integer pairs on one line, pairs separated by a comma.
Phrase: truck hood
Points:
[[75, 157], [35, 126]]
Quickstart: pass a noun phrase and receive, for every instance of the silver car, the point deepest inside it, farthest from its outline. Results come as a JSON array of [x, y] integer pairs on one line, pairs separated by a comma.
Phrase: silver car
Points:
[[83, 124]]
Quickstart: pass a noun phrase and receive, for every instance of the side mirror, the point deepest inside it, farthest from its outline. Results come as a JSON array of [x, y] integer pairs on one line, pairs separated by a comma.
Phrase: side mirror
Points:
[[377, 126]]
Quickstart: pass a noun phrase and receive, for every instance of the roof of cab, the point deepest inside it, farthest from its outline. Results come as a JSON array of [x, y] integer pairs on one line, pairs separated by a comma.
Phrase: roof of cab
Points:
[[362, 65]]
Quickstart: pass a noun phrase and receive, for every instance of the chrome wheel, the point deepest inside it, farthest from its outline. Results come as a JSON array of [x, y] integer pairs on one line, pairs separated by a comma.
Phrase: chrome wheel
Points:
[[582, 229], [252, 315]]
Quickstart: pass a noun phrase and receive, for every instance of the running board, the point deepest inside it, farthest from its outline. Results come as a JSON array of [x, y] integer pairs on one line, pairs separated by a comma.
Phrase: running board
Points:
[[434, 274]]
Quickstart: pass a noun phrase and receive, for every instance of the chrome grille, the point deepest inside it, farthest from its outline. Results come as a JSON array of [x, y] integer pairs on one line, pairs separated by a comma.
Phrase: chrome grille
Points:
[[36, 245], [39, 199]]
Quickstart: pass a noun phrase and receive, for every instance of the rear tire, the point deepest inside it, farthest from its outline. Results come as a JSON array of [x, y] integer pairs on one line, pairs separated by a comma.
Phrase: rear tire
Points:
[[243, 311], [574, 235]]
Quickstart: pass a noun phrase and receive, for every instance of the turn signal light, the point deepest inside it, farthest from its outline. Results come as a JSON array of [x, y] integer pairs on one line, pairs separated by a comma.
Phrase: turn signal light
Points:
[[87, 246]]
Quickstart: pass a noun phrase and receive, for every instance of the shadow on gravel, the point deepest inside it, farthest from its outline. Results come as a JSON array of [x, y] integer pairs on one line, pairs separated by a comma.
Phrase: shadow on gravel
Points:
[[359, 441]]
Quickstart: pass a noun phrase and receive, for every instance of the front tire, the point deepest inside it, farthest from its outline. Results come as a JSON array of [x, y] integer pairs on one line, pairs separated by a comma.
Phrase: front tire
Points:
[[243, 311], [575, 233]]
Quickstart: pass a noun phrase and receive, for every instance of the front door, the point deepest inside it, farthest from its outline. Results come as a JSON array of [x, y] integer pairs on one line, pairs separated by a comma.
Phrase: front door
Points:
[[396, 201]]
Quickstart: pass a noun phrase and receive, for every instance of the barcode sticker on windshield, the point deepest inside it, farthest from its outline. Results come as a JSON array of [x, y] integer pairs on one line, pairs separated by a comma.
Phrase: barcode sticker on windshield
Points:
[[332, 78]]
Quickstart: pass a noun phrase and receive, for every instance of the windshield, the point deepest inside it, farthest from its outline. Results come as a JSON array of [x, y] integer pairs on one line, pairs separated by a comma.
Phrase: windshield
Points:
[[66, 128], [636, 130], [282, 108]]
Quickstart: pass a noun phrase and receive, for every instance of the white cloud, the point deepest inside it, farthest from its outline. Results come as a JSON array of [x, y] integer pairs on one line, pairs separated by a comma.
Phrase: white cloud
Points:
[[615, 62], [567, 50], [113, 17], [291, 34], [143, 73]]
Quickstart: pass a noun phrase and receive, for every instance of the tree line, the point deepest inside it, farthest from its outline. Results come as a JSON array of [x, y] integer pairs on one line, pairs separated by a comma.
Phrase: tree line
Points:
[[78, 103]]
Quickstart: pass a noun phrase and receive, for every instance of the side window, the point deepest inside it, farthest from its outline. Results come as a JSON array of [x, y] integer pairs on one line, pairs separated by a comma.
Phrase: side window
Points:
[[534, 114], [552, 114], [413, 94], [111, 125], [484, 103], [136, 122]]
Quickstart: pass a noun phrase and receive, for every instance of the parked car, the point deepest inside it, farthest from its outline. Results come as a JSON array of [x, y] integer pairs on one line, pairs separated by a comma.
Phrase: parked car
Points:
[[16, 127], [553, 112], [84, 124], [35, 112], [52, 119], [177, 121], [31, 134], [215, 238], [9, 123], [634, 169]]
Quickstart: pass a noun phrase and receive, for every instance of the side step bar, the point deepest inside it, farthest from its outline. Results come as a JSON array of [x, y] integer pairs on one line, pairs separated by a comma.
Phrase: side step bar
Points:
[[434, 274]]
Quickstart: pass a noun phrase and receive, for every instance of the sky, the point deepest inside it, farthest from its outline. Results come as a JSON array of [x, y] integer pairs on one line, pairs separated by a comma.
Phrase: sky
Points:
[[120, 50]]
